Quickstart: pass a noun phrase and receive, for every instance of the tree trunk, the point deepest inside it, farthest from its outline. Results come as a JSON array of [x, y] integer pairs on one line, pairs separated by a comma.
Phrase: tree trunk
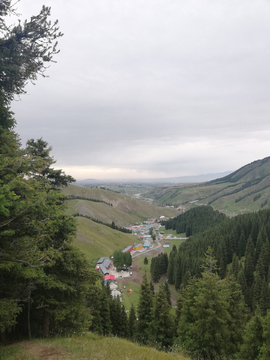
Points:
[[2, 336], [46, 323], [28, 318]]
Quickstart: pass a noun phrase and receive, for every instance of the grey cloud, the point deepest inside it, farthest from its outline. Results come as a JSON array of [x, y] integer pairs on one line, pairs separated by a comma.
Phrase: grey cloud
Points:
[[145, 77]]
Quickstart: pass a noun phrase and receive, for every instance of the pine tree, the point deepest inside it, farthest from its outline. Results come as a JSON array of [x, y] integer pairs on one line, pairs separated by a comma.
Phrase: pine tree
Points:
[[250, 250], [256, 291], [124, 328], [253, 339], [241, 280], [238, 316], [132, 322], [145, 312], [168, 293], [235, 266], [115, 314], [203, 329], [241, 244], [105, 301], [265, 349], [162, 324], [249, 270], [186, 279], [94, 305], [170, 272], [262, 237], [177, 272], [264, 301], [254, 232], [155, 269], [264, 261], [152, 288]]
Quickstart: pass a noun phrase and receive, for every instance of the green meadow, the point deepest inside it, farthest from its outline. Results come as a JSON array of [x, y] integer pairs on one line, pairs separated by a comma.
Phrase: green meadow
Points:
[[97, 240], [87, 346]]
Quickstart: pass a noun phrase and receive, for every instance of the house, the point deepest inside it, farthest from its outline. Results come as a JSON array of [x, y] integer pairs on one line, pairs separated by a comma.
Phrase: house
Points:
[[113, 286], [100, 261], [146, 244], [137, 247], [109, 277], [103, 264], [127, 249], [103, 270], [116, 293]]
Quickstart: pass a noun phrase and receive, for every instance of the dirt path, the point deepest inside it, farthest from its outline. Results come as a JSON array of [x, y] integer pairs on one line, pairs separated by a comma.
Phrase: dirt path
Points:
[[137, 275], [44, 352]]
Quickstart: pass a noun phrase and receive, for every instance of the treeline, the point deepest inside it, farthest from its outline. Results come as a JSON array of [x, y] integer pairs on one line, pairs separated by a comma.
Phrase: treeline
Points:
[[159, 266], [143, 324], [112, 225], [89, 199], [241, 247], [212, 320], [194, 220]]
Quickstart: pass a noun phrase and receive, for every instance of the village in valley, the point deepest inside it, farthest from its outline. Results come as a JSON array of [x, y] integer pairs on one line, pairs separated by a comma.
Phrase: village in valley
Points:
[[149, 236]]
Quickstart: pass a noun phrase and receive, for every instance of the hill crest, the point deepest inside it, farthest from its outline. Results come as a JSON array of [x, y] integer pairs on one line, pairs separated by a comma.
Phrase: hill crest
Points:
[[246, 189]]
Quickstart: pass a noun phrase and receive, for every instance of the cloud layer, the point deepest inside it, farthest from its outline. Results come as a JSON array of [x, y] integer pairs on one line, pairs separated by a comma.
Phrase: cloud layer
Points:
[[153, 88]]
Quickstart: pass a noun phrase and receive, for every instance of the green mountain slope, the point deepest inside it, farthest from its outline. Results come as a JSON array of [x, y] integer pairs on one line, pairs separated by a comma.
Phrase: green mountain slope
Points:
[[247, 189], [124, 210], [97, 240]]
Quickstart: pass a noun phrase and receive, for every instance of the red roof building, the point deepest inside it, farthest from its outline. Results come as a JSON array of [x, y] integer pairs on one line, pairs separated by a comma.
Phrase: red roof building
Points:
[[109, 277]]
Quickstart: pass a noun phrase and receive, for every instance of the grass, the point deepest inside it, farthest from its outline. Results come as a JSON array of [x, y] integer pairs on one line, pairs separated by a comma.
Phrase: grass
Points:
[[97, 240], [125, 209], [172, 242], [15, 352], [102, 212], [144, 267], [86, 347], [132, 297], [168, 232]]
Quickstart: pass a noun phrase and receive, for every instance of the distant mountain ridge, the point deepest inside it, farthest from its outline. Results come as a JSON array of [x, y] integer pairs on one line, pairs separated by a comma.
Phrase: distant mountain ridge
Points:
[[170, 180], [256, 170], [246, 189]]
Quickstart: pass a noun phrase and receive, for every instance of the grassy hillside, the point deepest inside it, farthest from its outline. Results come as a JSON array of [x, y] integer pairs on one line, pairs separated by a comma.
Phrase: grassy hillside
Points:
[[102, 212], [247, 189], [97, 240], [87, 347], [124, 209]]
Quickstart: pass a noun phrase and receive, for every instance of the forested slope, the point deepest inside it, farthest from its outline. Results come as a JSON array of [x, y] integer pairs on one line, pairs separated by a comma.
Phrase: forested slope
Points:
[[195, 220], [223, 276], [242, 241]]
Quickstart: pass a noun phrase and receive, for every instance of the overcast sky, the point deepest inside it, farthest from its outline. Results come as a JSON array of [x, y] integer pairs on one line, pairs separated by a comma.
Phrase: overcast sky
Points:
[[153, 88]]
